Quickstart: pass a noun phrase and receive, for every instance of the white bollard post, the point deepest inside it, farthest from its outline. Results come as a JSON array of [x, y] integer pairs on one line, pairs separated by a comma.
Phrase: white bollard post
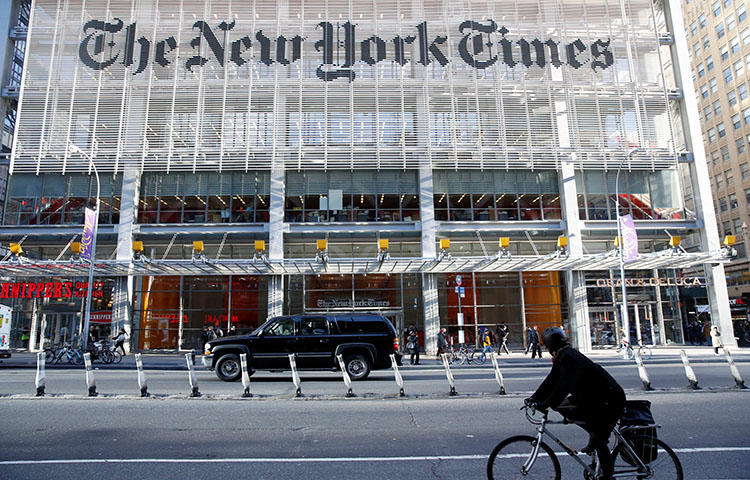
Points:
[[295, 375], [642, 370], [397, 374], [498, 374], [345, 374], [40, 375], [449, 375], [689, 373], [245, 376], [90, 380], [141, 375], [735, 372], [194, 392]]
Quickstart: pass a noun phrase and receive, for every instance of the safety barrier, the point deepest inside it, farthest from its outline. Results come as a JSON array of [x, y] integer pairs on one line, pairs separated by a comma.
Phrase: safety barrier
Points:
[[397, 375], [689, 373], [449, 375], [40, 375], [245, 376], [194, 392], [345, 374], [141, 376], [498, 374], [642, 370], [739, 383], [295, 375], [90, 380]]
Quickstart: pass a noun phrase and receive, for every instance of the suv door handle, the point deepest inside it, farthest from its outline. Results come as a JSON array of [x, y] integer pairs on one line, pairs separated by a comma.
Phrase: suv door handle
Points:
[[324, 340]]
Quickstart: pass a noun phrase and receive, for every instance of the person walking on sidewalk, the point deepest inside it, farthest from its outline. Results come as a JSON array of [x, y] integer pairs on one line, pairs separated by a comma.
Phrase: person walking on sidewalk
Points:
[[412, 344], [533, 338], [442, 344], [119, 339], [486, 337], [502, 338], [716, 339]]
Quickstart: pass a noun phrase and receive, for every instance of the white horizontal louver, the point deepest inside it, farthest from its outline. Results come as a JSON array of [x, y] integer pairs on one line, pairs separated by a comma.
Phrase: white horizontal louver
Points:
[[245, 103]]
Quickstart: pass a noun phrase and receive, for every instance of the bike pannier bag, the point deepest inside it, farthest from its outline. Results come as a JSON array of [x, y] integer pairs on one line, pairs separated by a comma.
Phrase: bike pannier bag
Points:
[[638, 428]]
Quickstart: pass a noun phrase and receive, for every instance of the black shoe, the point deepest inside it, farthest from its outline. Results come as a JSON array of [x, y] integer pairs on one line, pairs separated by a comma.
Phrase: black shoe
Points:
[[588, 449]]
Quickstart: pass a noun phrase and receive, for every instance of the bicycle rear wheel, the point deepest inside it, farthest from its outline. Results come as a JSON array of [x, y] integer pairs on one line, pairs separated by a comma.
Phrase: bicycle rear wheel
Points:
[[117, 356], [645, 353], [666, 465], [508, 457]]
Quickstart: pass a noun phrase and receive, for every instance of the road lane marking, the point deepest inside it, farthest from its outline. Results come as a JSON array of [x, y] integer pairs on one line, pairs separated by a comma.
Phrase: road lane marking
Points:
[[321, 459]]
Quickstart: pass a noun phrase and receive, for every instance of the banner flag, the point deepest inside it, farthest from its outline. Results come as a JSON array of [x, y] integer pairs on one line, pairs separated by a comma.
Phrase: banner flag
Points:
[[89, 229], [629, 239]]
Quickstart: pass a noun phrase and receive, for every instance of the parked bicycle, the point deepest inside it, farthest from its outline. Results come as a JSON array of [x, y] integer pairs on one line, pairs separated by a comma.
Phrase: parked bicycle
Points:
[[637, 454], [74, 356], [103, 351], [643, 351], [467, 354]]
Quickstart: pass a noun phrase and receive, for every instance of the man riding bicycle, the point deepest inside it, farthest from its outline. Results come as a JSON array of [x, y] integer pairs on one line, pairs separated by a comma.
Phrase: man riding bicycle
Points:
[[583, 391]]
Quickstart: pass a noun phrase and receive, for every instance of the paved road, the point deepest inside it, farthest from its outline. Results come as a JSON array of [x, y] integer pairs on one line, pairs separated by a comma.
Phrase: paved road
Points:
[[416, 438]]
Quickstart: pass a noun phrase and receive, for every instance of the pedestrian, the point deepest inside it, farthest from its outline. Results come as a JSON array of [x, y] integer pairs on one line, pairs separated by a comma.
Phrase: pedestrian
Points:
[[119, 339], [232, 330], [442, 344], [528, 340], [218, 331], [502, 339], [211, 333], [204, 338], [716, 339], [486, 337], [533, 338], [412, 344]]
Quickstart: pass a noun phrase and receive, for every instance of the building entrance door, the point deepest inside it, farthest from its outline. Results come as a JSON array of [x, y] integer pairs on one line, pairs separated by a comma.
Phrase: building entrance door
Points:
[[60, 328], [643, 329]]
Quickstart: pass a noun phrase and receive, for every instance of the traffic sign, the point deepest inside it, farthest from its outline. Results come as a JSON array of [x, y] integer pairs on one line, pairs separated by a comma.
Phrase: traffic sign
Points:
[[458, 280]]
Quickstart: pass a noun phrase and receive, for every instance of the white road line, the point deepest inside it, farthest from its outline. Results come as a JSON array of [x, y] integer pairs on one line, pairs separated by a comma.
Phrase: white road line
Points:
[[318, 459]]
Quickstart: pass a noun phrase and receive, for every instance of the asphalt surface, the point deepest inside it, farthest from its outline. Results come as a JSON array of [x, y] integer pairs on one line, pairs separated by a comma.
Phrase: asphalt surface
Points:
[[415, 438]]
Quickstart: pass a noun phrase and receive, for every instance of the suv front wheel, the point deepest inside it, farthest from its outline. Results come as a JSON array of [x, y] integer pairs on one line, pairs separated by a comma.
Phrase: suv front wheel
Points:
[[357, 366], [228, 368]]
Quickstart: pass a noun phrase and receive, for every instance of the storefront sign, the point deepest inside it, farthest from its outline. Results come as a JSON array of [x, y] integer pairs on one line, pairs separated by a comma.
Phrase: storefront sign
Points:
[[5, 324], [651, 282], [104, 317], [49, 289], [366, 303], [480, 45]]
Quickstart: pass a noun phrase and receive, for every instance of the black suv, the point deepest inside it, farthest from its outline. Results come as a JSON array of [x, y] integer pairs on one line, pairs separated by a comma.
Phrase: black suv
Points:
[[365, 342]]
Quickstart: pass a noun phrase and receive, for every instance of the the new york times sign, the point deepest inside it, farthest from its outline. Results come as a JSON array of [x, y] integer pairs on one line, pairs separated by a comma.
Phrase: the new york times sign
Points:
[[481, 45]]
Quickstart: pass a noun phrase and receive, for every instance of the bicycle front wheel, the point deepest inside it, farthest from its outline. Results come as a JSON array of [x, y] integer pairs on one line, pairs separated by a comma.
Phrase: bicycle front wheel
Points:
[[666, 465], [507, 461], [117, 356]]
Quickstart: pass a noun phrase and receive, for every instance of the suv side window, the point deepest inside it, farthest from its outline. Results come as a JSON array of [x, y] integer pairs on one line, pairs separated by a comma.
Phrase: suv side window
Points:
[[370, 325], [345, 324], [281, 327], [314, 326]]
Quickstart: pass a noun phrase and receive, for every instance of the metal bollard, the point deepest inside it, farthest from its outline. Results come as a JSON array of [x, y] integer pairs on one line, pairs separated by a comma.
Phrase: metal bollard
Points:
[[90, 380], [397, 374], [191, 377], [498, 374], [40, 375], [642, 370], [689, 373], [245, 376], [295, 375], [735, 372], [141, 375], [345, 374], [449, 375]]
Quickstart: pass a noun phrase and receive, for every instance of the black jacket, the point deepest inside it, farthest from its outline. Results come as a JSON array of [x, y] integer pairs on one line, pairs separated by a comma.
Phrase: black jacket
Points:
[[588, 384]]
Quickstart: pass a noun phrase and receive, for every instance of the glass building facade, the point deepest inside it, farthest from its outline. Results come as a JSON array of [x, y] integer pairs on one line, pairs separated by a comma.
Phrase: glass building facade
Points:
[[349, 121]]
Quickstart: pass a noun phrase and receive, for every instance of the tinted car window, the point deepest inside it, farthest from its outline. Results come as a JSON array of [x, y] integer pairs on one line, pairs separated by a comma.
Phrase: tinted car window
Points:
[[362, 324], [314, 326], [281, 327]]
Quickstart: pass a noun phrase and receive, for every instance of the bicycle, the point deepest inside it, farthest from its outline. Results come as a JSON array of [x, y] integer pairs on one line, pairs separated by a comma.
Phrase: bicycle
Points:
[[74, 356], [529, 457], [107, 353], [466, 355], [643, 351]]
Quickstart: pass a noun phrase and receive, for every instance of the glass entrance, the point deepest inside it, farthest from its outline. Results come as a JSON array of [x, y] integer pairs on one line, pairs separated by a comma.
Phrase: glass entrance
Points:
[[644, 330], [60, 328]]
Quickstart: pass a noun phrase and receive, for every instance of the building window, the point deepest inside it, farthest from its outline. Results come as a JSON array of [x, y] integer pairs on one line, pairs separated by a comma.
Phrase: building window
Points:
[[709, 63], [707, 112], [745, 170], [732, 98], [706, 42], [736, 121], [697, 48], [359, 196], [727, 227], [711, 135], [729, 175], [740, 143], [720, 32], [747, 195], [732, 201], [723, 207], [702, 20], [719, 181], [742, 92], [739, 67], [728, 75], [713, 85], [714, 158], [701, 70], [704, 91], [741, 14], [716, 8], [724, 153], [745, 36], [730, 22], [727, 3], [717, 107], [746, 115], [734, 45], [721, 130], [724, 52]]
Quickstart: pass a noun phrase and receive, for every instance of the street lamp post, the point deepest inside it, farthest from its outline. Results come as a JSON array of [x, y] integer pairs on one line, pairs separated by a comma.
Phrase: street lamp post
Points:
[[625, 317], [89, 291]]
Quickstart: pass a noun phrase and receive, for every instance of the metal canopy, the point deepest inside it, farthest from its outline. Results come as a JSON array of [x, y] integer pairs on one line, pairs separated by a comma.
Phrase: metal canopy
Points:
[[311, 266]]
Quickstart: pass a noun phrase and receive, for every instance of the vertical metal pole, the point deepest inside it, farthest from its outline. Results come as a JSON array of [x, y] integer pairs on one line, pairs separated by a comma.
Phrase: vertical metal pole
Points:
[[141, 375], [642, 370], [245, 376], [624, 315], [449, 375], [295, 375], [85, 333], [498, 374], [345, 374], [397, 374], [689, 373], [735, 372], [90, 380], [40, 375], [194, 392]]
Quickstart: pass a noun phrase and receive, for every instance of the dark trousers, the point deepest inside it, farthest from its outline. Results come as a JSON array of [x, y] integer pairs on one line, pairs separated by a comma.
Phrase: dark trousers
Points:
[[536, 350], [414, 353], [121, 345]]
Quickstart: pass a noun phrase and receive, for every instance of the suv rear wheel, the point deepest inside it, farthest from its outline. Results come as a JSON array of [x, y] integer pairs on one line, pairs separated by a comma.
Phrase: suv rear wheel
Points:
[[228, 368], [357, 366]]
